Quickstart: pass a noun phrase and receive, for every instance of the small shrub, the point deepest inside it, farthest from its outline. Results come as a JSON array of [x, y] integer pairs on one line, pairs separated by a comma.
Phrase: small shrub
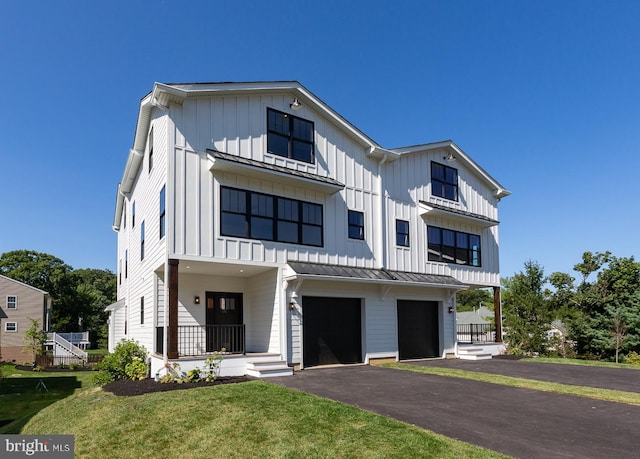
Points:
[[632, 358], [172, 373], [73, 366], [212, 368], [192, 376], [137, 370], [116, 362], [102, 377]]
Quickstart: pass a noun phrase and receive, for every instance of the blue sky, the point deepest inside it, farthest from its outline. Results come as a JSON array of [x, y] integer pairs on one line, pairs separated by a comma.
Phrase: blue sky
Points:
[[544, 95]]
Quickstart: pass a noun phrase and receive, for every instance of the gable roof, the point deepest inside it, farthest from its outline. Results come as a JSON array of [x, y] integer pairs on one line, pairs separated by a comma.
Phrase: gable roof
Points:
[[24, 285], [163, 94], [459, 156]]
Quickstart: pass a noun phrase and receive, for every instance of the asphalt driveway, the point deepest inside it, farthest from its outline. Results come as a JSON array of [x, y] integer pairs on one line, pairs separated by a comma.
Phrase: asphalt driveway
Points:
[[518, 422], [625, 379]]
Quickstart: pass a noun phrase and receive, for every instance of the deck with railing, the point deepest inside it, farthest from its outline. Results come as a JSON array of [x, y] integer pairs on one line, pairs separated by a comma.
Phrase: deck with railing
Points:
[[200, 340], [476, 333]]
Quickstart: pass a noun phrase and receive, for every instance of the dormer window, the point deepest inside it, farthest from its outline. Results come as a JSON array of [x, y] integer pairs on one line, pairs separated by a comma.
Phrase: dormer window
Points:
[[444, 181], [289, 136]]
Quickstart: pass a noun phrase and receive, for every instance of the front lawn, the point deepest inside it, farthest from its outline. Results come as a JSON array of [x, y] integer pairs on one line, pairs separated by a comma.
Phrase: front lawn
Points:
[[25, 393], [592, 363], [252, 419]]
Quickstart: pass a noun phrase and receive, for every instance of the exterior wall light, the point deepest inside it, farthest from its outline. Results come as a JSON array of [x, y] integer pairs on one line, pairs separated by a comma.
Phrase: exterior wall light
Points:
[[196, 299], [295, 105]]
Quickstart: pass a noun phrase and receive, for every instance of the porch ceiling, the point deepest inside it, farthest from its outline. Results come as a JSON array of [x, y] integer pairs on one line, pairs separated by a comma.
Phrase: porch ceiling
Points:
[[221, 269]]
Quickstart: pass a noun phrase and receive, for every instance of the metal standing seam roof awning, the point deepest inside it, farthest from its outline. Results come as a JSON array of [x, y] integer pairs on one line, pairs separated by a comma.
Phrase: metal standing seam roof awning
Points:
[[318, 271], [220, 161]]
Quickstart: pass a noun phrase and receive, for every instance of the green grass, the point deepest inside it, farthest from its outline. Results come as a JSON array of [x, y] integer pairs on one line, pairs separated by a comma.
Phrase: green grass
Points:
[[591, 363], [97, 351], [253, 419], [631, 398], [22, 395]]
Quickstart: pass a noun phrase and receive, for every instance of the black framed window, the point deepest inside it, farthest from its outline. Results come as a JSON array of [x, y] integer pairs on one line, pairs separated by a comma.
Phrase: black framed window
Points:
[[356, 224], [248, 214], [141, 310], [151, 150], [126, 263], [456, 247], [402, 233], [133, 214], [142, 241], [444, 181], [162, 211], [290, 136]]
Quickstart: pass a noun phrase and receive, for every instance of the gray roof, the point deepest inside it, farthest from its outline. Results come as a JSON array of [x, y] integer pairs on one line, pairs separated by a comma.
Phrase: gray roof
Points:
[[477, 316], [373, 275]]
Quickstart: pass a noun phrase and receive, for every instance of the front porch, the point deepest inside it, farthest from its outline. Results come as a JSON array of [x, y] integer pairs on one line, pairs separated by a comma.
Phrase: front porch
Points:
[[204, 340]]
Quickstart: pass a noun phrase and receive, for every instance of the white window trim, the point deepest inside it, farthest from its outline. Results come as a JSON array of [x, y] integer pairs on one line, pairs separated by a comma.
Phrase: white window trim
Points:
[[16, 303], [6, 327]]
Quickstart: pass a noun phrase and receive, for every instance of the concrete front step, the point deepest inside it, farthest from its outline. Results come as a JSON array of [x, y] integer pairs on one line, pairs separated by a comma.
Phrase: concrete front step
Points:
[[473, 353], [267, 369]]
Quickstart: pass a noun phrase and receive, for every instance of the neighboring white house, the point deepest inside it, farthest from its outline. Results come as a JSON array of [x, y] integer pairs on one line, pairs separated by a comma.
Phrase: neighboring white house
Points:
[[253, 217]]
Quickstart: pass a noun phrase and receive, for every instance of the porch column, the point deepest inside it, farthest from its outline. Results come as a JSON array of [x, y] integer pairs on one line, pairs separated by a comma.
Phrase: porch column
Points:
[[172, 345], [497, 313]]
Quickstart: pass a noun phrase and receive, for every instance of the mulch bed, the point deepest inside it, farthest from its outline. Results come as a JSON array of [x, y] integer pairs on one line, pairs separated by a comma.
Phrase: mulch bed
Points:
[[126, 387]]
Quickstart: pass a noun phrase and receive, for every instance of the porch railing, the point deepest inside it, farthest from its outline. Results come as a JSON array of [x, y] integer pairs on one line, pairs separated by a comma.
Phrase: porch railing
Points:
[[476, 333], [196, 340]]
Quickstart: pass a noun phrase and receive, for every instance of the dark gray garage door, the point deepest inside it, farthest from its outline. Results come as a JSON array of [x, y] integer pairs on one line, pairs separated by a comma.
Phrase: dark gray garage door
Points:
[[418, 329], [332, 330]]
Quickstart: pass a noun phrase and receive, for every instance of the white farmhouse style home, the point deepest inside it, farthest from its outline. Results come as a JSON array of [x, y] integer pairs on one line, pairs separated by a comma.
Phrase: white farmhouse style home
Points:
[[255, 221]]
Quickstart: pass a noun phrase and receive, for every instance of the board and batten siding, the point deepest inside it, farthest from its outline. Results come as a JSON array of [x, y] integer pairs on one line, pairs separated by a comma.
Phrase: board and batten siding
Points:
[[408, 181], [262, 313], [238, 126], [139, 281]]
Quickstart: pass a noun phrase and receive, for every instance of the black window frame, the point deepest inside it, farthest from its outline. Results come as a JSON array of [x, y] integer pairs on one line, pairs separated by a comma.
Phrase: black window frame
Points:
[[356, 225], [402, 234], [441, 185], [289, 134], [448, 246], [133, 214], [142, 236], [126, 263], [141, 310], [163, 211], [150, 149], [261, 217]]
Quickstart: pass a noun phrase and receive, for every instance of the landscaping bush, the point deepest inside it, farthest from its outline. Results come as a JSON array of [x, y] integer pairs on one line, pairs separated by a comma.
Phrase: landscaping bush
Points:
[[632, 358], [114, 366]]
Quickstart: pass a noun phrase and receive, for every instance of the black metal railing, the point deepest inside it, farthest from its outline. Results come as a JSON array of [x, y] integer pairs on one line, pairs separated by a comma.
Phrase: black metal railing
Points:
[[476, 333], [196, 340]]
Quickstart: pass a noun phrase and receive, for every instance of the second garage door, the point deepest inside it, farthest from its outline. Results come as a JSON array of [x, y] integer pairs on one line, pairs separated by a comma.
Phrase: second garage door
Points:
[[331, 330], [418, 329]]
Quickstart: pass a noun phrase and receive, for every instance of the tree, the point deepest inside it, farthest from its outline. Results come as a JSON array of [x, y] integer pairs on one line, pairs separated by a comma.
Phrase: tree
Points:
[[96, 290], [527, 316], [48, 273], [78, 297], [34, 339], [468, 300]]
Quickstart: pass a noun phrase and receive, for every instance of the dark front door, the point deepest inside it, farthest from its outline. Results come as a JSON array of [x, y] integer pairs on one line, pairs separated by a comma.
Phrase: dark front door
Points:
[[418, 329], [331, 330], [223, 318]]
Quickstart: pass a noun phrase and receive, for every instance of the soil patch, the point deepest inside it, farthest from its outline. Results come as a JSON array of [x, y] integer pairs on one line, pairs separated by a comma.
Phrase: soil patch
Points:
[[127, 387]]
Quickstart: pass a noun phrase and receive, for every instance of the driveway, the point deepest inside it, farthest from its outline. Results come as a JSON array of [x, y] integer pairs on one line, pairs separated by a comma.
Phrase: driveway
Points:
[[625, 379], [518, 422]]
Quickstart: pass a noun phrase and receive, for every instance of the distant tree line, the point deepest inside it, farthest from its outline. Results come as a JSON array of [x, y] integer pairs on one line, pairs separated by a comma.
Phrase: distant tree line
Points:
[[594, 314], [78, 296]]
